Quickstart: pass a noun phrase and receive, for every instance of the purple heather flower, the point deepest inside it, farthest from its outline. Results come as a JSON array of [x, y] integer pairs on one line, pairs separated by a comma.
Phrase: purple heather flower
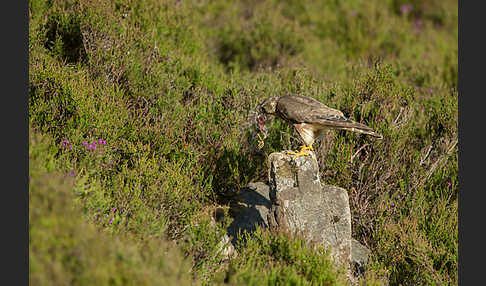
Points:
[[100, 141], [178, 3], [406, 8], [431, 90], [113, 210], [66, 143], [449, 184], [393, 205], [111, 220], [85, 143]]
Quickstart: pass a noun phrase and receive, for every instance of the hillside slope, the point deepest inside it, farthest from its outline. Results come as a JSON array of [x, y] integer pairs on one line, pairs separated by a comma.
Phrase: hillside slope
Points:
[[148, 106]]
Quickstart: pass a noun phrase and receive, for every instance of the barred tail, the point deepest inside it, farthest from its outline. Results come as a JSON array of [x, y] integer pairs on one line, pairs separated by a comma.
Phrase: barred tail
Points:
[[366, 131]]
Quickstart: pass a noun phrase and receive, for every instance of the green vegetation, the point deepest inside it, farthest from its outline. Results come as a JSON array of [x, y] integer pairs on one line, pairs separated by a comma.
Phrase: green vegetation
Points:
[[170, 87], [65, 249]]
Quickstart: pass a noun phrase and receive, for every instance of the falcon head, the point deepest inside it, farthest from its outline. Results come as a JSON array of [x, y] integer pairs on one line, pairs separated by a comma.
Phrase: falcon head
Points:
[[269, 106]]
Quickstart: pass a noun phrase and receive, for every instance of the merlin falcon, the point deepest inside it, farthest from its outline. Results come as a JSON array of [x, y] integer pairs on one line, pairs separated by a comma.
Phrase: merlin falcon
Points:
[[309, 117]]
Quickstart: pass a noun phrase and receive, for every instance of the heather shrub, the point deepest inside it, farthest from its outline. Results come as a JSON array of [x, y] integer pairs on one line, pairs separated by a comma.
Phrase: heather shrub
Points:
[[146, 109]]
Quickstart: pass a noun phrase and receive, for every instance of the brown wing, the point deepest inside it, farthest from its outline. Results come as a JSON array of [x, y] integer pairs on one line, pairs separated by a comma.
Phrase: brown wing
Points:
[[299, 109]]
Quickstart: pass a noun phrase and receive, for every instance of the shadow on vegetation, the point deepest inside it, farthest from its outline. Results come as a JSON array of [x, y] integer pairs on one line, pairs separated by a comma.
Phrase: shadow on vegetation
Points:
[[64, 37]]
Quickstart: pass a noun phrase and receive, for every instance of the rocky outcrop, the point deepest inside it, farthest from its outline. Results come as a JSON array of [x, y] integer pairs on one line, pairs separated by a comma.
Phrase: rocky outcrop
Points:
[[301, 204], [295, 201]]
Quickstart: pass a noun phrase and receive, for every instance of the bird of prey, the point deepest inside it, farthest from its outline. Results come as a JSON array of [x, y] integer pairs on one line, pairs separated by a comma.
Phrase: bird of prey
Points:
[[309, 117]]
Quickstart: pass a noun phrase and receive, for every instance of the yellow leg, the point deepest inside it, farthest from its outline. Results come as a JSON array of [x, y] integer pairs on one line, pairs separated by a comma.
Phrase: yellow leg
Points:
[[301, 152]]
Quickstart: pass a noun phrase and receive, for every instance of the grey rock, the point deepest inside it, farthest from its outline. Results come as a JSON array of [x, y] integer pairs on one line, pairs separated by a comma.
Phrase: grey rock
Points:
[[359, 256], [295, 201], [250, 209], [226, 248], [301, 204]]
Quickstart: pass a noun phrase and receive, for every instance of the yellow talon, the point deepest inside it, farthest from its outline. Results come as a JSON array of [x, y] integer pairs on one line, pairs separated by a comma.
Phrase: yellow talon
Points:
[[301, 152], [303, 148]]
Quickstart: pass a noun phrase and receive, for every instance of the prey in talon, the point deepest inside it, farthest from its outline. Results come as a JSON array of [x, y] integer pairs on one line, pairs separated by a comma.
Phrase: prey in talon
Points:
[[263, 131]]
